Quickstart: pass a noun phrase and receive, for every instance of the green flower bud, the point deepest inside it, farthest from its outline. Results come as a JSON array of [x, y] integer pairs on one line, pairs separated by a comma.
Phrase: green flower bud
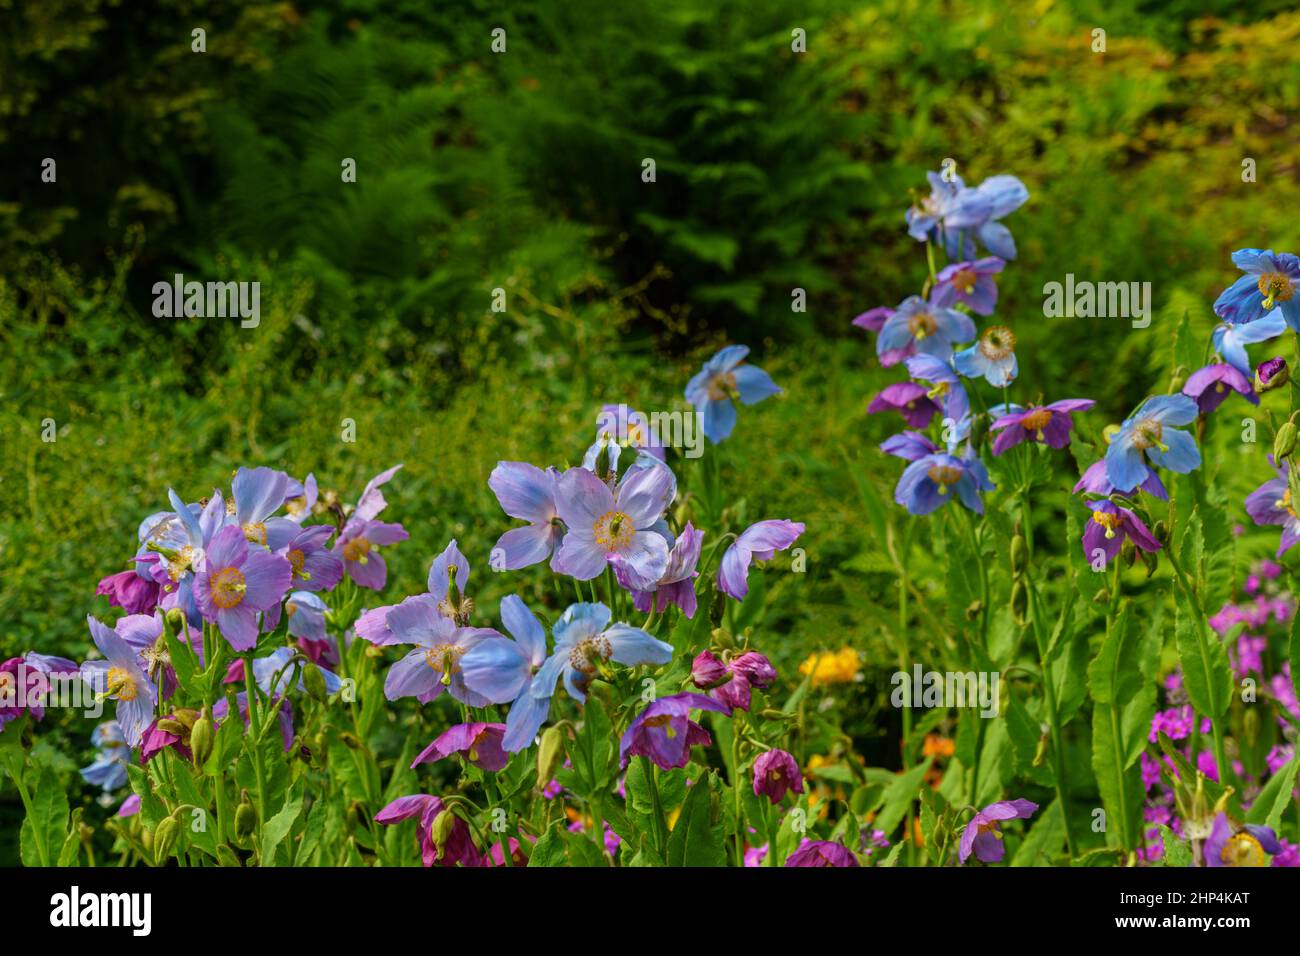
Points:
[[441, 829], [1020, 602], [202, 738], [164, 839], [314, 681], [245, 818], [1019, 555], [1284, 441], [550, 755]]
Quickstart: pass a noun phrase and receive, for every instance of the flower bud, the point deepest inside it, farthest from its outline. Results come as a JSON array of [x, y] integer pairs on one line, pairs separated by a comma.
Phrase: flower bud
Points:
[[1128, 552], [1161, 532], [245, 818], [979, 429], [171, 726], [1271, 373], [1284, 441], [164, 839], [441, 829], [550, 755], [1020, 602], [314, 681], [1019, 555], [707, 671], [202, 738], [175, 620]]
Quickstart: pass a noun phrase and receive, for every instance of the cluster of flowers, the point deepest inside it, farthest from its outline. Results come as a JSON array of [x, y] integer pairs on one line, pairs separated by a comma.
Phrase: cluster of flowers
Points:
[[246, 587]]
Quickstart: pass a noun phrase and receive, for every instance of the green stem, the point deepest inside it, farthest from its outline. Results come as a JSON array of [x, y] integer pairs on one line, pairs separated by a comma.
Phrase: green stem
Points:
[[659, 821]]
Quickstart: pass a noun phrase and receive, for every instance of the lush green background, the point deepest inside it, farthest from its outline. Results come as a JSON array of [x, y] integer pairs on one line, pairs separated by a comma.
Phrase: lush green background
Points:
[[522, 171]]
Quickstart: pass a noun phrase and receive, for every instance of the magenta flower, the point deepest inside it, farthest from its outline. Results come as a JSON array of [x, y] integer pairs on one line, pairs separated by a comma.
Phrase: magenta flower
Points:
[[459, 845], [614, 526], [969, 282], [1049, 424], [1109, 526], [729, 683], [130, 591], [775, 774], [480, 744], [677, 584], [1270, 374], [156, 740], [911, 400], [24, 684], [525, 491], [1210, 386], [237, 582], [665, 733], [823, 853], [758, 542], [982, 835]]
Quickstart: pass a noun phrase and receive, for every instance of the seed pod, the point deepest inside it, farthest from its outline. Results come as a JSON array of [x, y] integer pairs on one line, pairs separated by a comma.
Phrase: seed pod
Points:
[[1152, 560], [722, 638], [549, 755], [202, 739], [245, 818], [164, 839], [1284, 441]]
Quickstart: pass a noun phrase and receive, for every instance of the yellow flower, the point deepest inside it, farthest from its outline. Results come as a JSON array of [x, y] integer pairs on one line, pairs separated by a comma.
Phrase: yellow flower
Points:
[[936, 746], [840, 667]]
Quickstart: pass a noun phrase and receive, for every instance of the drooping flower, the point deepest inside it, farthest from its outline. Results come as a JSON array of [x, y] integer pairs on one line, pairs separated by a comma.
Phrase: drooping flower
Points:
[[614, 526], [1250, 845], [873, 319], [1004, 194], [458, 847], [907, 398], [676, 586], [920, 326], [775, 774], [1210, 385], [1271, 373], [1151, 432], [730, 682], [1049, 424], [300, 498], [946, 387], [158, 738], [969, 282], [1231, 340], [108, 771], [479, 743], [527, 492], [722, 380], [1271, 503], [1270, 281], [1095, 481], [275, 673], [993, 357], [131, 591], [619, 429], [435, 664], [585, 640], [237, 582], [1109, 526], [758, 542], [926, 483], [25, 684], [822, 853], [119, 677], [982, 835], [665, 733]]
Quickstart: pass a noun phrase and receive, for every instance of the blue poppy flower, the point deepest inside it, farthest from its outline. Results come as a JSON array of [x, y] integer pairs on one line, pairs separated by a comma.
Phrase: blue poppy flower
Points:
[[993, 357], [1151, 433], [1230, 340], [723, 379], [1270, 281]]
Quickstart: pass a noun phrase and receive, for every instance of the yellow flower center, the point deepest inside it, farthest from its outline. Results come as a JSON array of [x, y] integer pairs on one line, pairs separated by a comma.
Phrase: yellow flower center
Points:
[[1275, 287], [1244, 850], [722, 386], [296, 506], [943, 476], [661, 720], [356, 550], [255, 532], [613, 530], [587, 655], [444, 658], [1148, 433], [965, 280], [296, 559], [1036, 420], [922, 324], [997, 342], [228, 588], [121, 684], [178, 565], [1108, 521]]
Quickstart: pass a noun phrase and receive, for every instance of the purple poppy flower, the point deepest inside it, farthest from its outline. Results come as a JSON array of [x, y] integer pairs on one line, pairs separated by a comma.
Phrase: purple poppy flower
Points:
[[1210, 386], [1271, 503], [677, 584], [448, 576], [1049, 424], [1151, 433], [358, 546], [300, 498], [131, 591], [907, 398], [1251, 845], [144, 633], [156, 740], [908, 445], [993, 357], [1096, 482], [758, 542], [823, 853], [775, 774], [605, 525], [315, 567], [502, 670], [1109, 526], [525, 491], [372, 500], [480, 744], [237, 583], [713, 390], [970, 283], [619, 427], [982, 835], [258, 493], [920, 326], [950, 208], [119, 677], [665, 733], [946, 388], [873, 319], [130, 806], [435, 664], [1270, 374], [459, 845], [1270, 281], [24, 684], [730, 682], [1230, 340], [925, 484]]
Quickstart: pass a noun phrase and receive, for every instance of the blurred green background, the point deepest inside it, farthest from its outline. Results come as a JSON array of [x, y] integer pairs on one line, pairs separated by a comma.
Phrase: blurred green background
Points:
[[521, 170]]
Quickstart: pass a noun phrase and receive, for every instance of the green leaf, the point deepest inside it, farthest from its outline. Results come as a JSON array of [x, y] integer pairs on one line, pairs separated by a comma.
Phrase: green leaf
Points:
[[900, 793], [695, 841], [1043, 840], [1275, 796], [69, 855], [1177, 852], [1206, 671], [549, 850], [278, 827]]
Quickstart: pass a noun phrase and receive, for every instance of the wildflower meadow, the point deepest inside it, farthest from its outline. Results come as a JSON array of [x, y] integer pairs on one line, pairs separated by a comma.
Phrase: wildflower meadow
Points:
[[583, 437]]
